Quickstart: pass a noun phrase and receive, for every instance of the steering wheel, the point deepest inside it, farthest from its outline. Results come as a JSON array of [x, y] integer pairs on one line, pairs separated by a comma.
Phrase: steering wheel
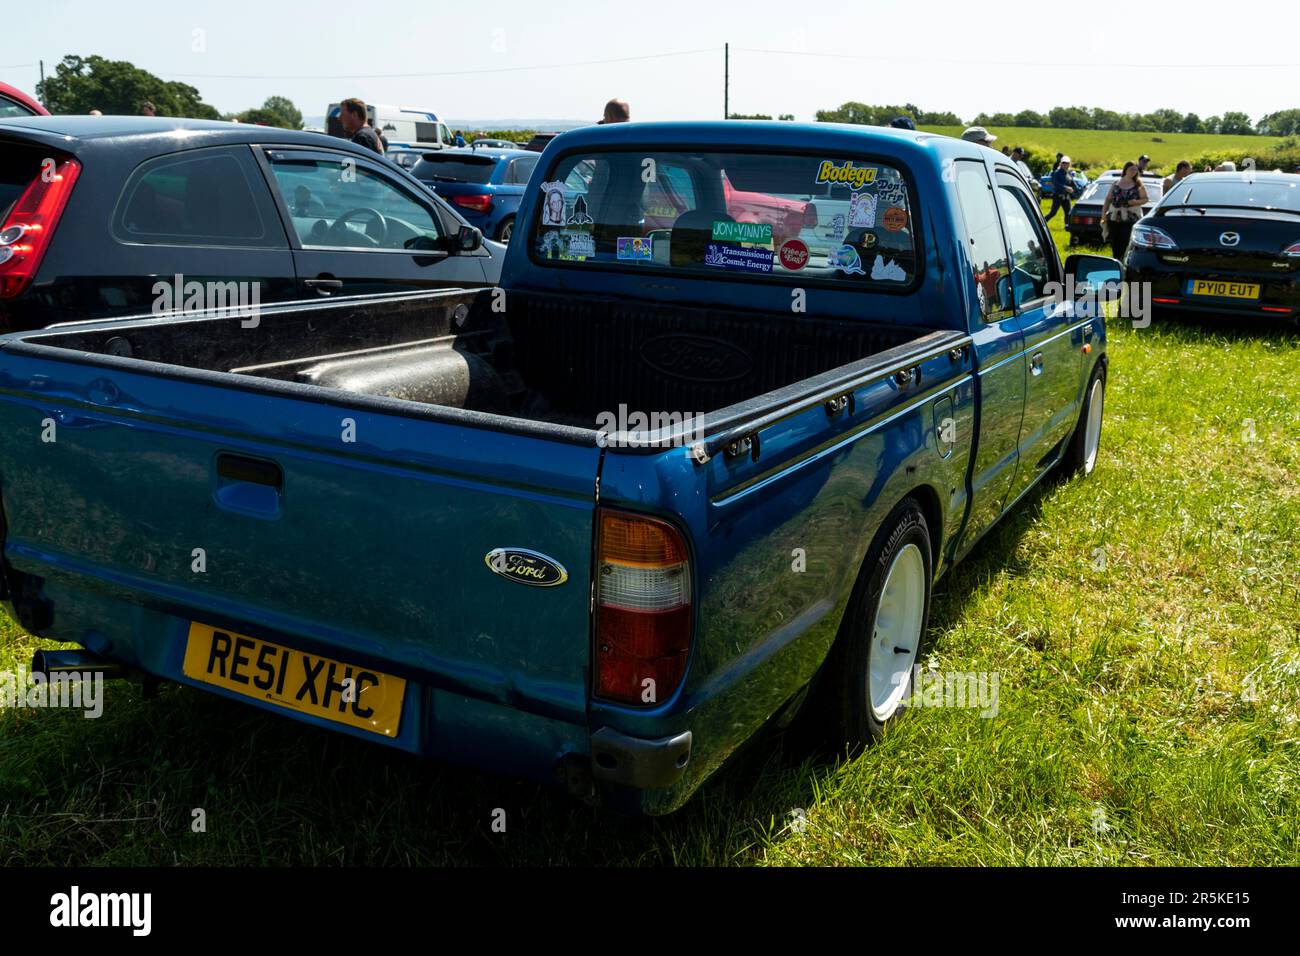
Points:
[[339, 229]]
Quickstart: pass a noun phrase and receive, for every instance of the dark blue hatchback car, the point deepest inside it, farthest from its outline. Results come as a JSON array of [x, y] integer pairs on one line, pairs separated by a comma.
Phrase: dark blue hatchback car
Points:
[[484, 184]]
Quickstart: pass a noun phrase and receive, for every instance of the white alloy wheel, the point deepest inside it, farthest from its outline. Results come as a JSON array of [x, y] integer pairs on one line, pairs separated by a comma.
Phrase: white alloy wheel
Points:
[[897, 634]]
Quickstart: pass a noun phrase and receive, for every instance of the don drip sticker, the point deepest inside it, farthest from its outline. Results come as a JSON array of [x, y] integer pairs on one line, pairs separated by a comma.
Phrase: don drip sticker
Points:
[[553, 204], [846, 259], [891, 192], [862, 210], [635, 248]]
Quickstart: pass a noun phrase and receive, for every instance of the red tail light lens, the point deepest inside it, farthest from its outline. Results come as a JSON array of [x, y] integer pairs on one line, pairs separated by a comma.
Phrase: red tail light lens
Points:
[[643, 609], [26, 234], [475, 203], [1292, 251]]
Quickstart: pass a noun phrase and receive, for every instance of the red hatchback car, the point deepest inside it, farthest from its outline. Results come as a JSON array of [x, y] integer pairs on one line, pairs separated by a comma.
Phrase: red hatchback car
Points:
[[14, 102]]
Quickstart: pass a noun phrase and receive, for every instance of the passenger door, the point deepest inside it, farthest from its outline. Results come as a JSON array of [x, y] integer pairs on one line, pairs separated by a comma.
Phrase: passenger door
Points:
[[356, 228], [1051, 338], [204, 215], [999, 351]]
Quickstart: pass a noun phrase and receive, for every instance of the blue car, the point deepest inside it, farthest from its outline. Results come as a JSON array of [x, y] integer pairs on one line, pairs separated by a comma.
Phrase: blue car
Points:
[[1045, 184], [485, 185]]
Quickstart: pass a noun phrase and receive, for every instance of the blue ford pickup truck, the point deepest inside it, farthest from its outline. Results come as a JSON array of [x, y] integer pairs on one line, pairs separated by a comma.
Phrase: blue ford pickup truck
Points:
[[745, 392]]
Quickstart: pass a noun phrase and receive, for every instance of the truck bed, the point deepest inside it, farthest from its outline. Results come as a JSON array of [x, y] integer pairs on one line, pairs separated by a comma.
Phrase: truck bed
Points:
[[531, 358]]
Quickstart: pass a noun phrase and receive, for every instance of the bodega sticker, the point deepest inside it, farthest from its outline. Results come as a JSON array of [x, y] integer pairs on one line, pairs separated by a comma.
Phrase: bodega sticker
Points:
[[753, 232], [895, 219], [887, 270], [862, 210], [635, 249], [553, 204], [744, 259], [793, 254], [855, 177], [846, 259]]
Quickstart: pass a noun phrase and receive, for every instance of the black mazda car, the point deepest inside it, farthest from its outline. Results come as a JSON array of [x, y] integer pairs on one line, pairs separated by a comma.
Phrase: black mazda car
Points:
[[1223, 242]]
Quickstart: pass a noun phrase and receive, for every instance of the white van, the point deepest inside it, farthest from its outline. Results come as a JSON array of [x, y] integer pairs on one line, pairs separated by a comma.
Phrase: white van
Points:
[[398, 124]]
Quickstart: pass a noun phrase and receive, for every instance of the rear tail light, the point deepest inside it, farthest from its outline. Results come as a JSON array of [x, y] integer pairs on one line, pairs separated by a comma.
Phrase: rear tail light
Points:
[[1292, 251], [26, 234], [1151, 237], [475, 203], [810, 216], [643, 608]]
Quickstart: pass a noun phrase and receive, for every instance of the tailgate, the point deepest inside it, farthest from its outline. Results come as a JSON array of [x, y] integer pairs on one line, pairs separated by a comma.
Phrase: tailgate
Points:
[[360, 532]]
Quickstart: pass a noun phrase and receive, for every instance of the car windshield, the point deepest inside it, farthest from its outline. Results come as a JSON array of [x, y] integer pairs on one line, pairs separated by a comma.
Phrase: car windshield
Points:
[[737, 215], [455, 169], [1236, 189]]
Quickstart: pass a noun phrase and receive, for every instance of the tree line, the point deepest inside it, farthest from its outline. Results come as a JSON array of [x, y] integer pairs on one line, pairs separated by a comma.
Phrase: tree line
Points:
[[1280, 123], [118, 88]]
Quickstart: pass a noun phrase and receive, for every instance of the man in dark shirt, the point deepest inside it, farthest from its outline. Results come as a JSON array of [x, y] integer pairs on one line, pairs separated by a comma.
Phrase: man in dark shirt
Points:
[[352, 114], [1062, 188]]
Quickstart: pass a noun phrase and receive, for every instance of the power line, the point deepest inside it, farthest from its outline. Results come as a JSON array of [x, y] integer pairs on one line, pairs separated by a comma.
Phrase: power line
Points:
[[1020, 63], [398, 76], [16, 66]]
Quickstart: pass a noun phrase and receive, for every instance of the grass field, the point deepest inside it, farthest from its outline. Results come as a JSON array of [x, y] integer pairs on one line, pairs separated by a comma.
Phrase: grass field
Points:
[[1104, 149], [1143, 622]]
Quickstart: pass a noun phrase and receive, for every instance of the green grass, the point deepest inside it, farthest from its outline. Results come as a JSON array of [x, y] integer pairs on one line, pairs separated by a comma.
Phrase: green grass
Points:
[[1106, 149], [1143, 623]]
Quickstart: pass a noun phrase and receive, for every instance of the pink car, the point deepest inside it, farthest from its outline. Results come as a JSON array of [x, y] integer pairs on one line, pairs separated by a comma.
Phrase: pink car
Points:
[[14, 102]]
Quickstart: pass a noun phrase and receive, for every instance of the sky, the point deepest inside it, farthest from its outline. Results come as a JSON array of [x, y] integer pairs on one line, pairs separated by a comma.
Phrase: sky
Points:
[[558, 59]]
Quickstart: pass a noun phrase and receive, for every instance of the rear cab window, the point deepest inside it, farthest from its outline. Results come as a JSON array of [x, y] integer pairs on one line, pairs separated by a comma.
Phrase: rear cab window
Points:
[[840, 219], [455, 169]]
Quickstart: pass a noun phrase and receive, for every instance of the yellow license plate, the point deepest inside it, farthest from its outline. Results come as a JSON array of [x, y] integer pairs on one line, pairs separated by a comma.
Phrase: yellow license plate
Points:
[[291, 679], [1224, 290]]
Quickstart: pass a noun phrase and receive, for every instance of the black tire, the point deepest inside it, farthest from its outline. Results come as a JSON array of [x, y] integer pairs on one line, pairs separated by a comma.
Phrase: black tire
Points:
[[506, 228], [853, 721], [1079, 458]]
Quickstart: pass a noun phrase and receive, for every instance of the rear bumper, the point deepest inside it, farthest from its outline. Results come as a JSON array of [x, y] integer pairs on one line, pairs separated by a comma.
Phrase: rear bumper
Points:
[[1279, 295]]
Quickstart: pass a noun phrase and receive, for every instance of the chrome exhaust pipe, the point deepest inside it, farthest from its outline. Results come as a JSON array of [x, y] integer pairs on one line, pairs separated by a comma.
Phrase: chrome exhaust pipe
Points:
[[57, 662]]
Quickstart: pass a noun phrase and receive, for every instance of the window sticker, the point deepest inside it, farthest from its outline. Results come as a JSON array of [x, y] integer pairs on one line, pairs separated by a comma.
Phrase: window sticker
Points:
[[890, 192], [862, 210], [887, 270], [855, 177], [794, 254], [635, 248], [751, 232], [553, 204], [742, 258], [868, 240], [579, 245], [846, 259], [895, 219], [579, 217], [836, 228]]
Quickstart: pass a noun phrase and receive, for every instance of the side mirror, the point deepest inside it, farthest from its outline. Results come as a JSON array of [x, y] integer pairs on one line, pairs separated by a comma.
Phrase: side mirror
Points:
[[469, 239], [1094, 272]]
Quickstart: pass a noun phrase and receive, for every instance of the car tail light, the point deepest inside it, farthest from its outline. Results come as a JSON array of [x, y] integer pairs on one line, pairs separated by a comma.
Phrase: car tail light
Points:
[[1292, 251], [643, 608], [26, 234], [810, 216], [475, 203], [1151, 237]]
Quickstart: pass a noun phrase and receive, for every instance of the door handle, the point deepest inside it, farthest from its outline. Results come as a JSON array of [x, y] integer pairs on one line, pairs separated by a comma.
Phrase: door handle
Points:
[[324, 286], [1036, 363], [250, 486]]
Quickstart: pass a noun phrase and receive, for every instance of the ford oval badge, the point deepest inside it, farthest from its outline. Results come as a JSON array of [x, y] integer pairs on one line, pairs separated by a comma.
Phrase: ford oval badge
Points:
[[526, 567]]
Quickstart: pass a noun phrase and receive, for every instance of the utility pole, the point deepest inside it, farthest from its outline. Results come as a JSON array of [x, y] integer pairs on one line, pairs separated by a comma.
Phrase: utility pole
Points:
[[42, 86], [726, 80]]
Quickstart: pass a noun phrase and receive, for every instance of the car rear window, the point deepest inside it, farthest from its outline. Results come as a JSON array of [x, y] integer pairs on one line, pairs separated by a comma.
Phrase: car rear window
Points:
[[1235, 189], [19, 165], [455, 169], [839, 218]]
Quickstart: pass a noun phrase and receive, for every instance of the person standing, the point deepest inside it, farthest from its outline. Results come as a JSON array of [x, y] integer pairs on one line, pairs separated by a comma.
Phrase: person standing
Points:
[[1143, 162], [616, 111], [1018, 157], [352, 115], [1122, 208], [978, 134], [1181, 172], [1062, 188], [148, 109], [460, 138]]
